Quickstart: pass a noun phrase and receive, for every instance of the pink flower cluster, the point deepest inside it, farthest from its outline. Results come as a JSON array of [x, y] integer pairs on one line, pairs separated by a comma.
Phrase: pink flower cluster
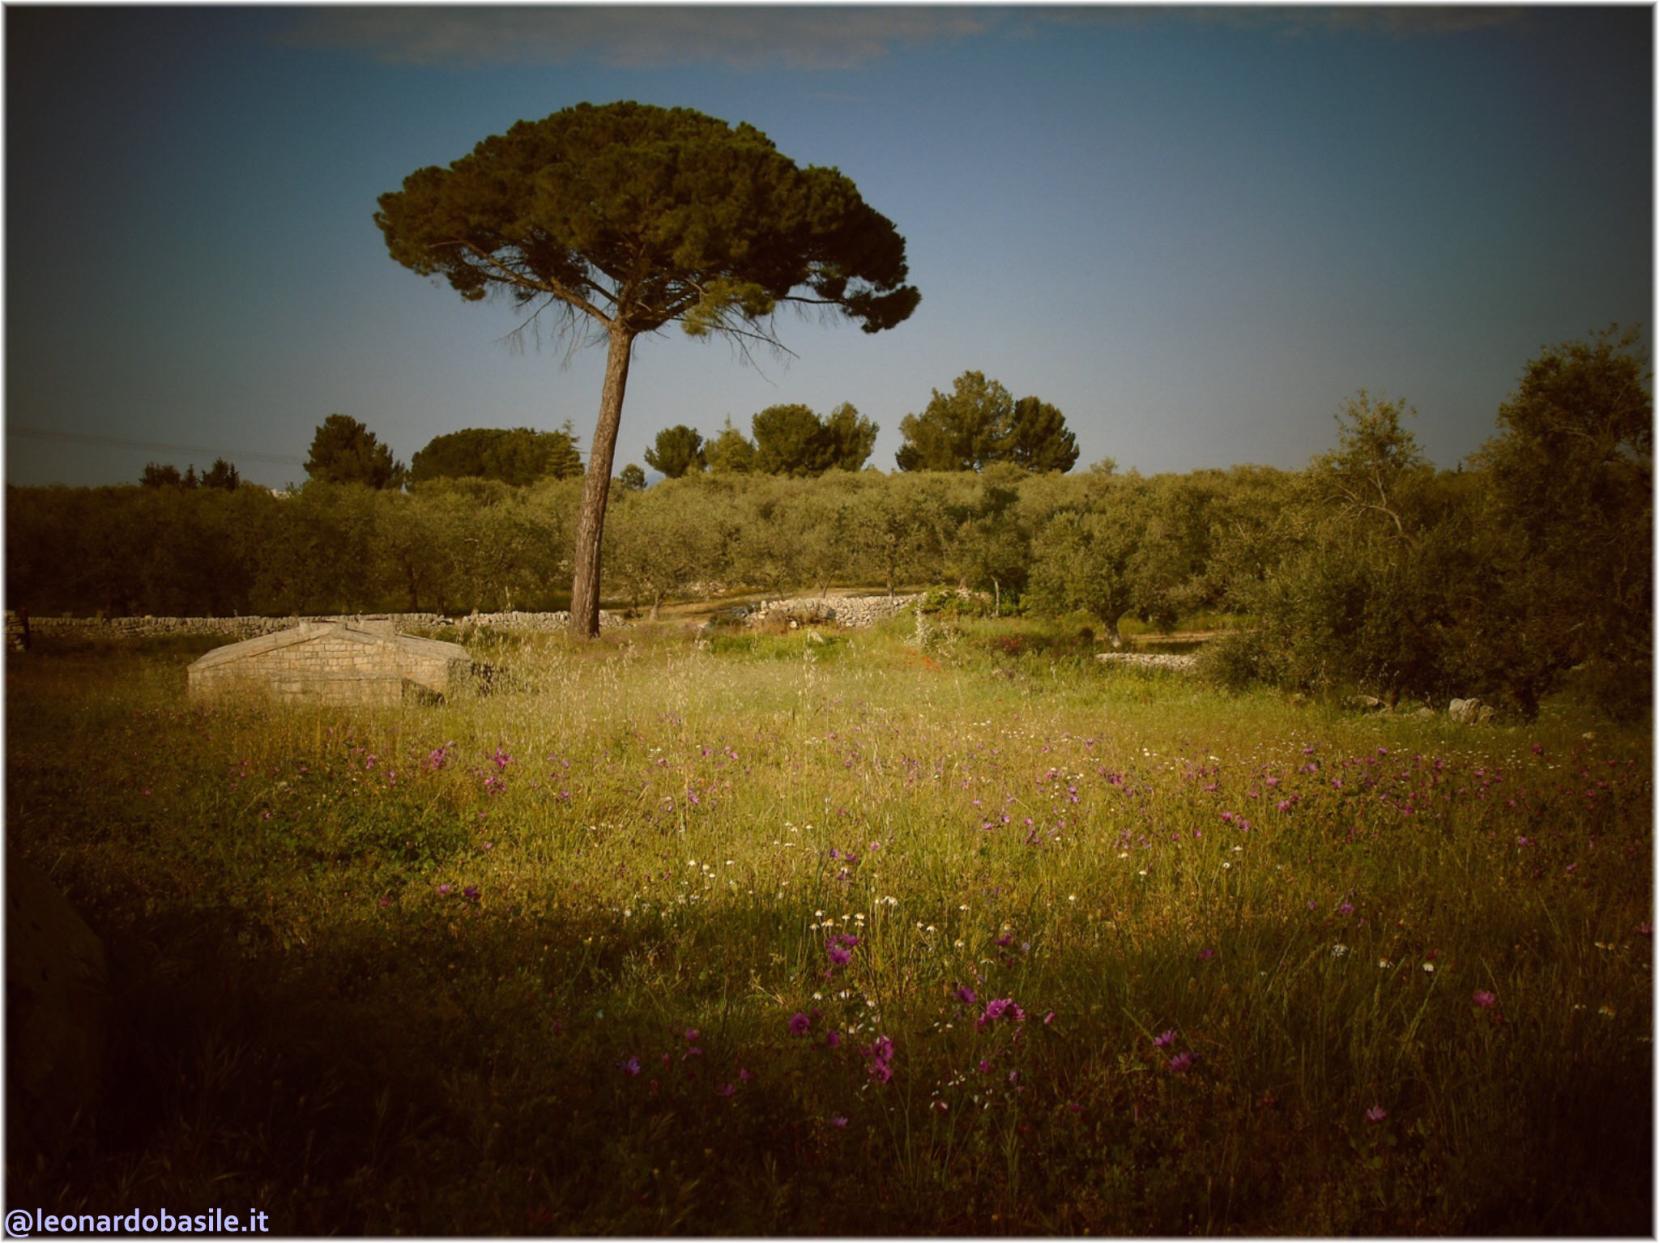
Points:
[[878, 1059], [1001, 1008]]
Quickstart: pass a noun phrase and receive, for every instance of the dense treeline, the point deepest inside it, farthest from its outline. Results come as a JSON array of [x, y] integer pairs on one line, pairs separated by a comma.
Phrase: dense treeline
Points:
[[459, 544], [1369, 569]]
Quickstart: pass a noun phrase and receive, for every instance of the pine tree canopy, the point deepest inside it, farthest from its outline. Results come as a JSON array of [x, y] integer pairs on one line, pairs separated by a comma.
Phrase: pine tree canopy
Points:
[[640, 216]]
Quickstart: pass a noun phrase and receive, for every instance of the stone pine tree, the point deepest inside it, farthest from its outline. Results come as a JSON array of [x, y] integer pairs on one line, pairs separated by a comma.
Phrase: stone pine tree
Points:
[[624, 218]]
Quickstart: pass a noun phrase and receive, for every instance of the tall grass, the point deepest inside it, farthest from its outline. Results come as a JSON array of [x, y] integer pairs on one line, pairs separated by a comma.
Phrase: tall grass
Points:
[[721, 938]]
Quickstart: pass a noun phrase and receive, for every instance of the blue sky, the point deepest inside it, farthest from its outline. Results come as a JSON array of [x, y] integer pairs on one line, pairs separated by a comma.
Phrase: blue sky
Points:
[[1197, 231]]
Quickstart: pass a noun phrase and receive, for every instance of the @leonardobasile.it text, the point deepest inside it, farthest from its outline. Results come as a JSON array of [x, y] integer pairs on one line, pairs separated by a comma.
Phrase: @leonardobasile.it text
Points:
[[23, 1222]]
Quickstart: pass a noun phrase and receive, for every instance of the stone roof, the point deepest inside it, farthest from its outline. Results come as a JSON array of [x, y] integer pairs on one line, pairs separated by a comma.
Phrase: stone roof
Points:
[[430, 649]]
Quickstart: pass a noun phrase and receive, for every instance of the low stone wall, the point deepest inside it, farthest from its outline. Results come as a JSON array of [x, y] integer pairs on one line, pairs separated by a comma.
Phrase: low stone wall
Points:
[[252, 627], [854, 611], [1151, 660]]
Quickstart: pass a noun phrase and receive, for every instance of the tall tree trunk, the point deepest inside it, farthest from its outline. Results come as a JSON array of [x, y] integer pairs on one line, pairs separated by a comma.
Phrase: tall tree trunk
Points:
[[590, 523]]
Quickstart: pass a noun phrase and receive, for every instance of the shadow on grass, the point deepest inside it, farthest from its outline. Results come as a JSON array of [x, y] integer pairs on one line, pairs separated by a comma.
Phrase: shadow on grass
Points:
[[448, 1070]]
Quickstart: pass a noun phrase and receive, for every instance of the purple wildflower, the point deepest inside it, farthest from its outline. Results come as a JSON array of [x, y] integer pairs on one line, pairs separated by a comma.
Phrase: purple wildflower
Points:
[[1484, 999], [966, 995], [445, 889], [1164, 1039], [838, 956], [631, 1066], [799, 1024], [879, 1060], [1375, 1114], [1205, 954], [1180, 1064], [839, 1120], [1002, 1007]]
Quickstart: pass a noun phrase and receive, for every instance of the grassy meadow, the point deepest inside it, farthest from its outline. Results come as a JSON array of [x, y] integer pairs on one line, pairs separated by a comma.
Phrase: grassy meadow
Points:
[[828, 934]]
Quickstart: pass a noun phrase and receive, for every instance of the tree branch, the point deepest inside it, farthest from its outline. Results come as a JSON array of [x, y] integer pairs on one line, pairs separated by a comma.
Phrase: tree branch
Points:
[[505, 273]]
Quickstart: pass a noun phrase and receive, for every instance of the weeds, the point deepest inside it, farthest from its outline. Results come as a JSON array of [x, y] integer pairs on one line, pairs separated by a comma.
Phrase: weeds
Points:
[[775, 936]]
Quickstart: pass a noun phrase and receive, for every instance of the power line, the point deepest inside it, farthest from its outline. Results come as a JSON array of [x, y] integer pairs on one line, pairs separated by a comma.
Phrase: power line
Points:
[[148, 446]]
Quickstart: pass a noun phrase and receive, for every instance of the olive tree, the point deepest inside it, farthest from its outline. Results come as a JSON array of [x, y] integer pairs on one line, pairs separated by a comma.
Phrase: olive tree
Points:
[[625, 218]]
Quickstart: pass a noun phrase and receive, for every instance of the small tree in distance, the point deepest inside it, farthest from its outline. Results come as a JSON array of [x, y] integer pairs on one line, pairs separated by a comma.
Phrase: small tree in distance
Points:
[[793, 440], [161, 475], [519, 456], [959, 430], [850, 437], [788, 441], [222, 474], [345, 451], [627, 218], [1038, 438], [678, 449], [978, 423], [731, 452]]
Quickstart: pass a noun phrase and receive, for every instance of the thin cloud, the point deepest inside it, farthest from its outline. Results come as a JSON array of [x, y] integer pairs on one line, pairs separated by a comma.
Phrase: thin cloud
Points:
[[634, 36], [1400, 21]]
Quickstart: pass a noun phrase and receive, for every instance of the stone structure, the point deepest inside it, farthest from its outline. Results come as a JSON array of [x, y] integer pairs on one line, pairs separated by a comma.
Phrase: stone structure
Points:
[[847, 611], [1469, 712], [1182, 662], [249, 627], [332, 663]]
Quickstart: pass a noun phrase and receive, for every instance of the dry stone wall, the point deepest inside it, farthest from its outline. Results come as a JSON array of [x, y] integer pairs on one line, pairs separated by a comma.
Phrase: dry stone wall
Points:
[[852, 611], [1181, 662], [252, 627], [855, 611]]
